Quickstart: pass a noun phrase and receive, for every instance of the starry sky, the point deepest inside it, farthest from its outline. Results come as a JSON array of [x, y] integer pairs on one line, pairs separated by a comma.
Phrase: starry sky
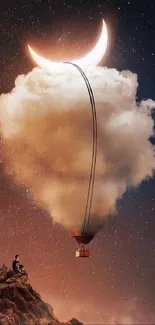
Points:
[[117, 282]]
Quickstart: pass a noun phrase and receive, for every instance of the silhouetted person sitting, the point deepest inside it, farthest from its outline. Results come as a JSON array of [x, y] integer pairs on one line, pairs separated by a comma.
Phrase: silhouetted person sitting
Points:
[[16, 265], [18, 268]]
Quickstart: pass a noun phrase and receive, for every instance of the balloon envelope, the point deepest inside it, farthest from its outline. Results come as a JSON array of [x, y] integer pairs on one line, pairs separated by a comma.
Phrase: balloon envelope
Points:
[[82, 237]]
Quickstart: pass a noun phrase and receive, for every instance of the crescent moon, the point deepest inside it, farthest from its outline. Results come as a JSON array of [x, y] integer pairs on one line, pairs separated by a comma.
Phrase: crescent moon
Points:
[[91, 59]]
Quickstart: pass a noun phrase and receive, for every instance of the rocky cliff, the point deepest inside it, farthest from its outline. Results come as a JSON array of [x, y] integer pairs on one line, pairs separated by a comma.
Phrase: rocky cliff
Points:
[[20, 304]]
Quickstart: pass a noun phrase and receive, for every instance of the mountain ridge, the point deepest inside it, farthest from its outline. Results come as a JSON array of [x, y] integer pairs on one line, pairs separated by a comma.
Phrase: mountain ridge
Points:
[[20, 304]]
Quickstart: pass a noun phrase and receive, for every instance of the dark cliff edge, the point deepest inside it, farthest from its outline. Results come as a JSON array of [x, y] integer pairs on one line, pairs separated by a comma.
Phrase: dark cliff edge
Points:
[[20, 304]]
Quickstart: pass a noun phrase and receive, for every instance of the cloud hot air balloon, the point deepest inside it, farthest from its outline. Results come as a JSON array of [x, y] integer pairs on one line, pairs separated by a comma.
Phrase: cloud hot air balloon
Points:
[[85, 233]]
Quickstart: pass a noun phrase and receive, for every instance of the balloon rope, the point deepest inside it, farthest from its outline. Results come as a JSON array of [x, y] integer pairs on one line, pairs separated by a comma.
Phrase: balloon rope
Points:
[[94, 152]]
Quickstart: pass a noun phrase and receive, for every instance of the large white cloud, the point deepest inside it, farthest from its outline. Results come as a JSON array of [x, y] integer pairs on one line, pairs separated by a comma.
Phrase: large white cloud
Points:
[[46, 126]]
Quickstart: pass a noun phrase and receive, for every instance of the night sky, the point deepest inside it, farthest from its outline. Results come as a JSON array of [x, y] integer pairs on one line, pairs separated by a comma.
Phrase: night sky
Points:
[[117, 282]]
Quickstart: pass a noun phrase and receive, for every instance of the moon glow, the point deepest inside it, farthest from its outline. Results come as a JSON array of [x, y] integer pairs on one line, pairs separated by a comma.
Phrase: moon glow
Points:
[[91, 59]]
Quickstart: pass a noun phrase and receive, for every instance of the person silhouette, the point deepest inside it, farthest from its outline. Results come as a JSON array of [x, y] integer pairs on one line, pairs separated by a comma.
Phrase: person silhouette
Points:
[[15, 264]]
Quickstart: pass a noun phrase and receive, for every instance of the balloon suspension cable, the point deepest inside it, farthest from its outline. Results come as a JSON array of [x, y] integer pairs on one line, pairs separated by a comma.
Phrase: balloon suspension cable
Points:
[[94, 152]]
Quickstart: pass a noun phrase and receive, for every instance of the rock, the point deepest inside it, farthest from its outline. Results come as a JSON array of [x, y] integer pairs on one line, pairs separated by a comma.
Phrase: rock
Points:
[[3, 273], [74, 321], [20, 304], [11, 280], [23, 279], [2, 279], [10, 274]]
